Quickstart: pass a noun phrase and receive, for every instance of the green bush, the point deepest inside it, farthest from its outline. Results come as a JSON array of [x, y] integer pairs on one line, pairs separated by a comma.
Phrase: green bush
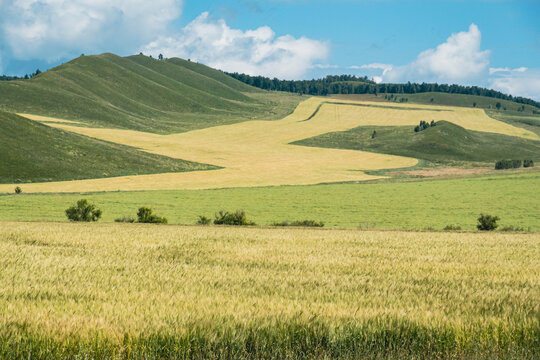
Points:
[[83, 211], [203, 220], [144, 215], [125, 219], [237, 218], [452, 227], [528, 163], [507, 164], [18, 190], [304, 223], [487, 222]]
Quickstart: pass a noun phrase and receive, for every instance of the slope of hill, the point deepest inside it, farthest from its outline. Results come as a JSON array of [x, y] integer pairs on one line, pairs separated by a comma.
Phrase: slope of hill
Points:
[[141, 93], [446, 141], [30, 152]]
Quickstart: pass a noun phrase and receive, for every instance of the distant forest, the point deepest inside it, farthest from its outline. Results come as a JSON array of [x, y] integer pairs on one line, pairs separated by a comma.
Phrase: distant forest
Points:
[[25, 77], [350, 84]]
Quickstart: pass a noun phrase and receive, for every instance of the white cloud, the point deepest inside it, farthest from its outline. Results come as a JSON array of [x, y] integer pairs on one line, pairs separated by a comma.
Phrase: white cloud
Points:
[[457, 59], [375, 66], [506, 70], [53, 29], [254, 52], [519, 82]]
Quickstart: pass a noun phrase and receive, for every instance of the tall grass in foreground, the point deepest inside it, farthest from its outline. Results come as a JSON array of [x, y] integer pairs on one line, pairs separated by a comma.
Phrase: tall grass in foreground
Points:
[[138, 291]]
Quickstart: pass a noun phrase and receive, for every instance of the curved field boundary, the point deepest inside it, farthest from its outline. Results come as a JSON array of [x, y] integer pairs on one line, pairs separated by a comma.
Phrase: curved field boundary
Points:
[[258, 153]]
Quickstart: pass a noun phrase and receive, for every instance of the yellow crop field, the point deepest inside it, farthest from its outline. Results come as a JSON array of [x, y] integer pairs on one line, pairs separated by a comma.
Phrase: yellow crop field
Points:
[[121, 290], [384, 114], [258, 153]]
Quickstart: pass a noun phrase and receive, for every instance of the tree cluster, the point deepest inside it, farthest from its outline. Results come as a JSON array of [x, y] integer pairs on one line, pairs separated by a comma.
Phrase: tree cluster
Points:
[[424, 125], [513, 164], [350, 84]]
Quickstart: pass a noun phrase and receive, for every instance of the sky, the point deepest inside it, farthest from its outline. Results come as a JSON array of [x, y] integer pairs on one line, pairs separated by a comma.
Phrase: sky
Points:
[[489, 43]]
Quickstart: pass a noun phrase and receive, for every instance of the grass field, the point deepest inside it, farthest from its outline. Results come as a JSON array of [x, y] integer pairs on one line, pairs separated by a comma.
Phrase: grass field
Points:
[[442, 143], [402, 205], [258, 153], [32, 152], [135, 291]]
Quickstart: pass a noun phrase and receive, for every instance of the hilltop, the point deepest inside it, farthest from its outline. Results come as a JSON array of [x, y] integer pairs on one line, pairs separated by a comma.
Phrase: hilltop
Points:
[[141, 93]]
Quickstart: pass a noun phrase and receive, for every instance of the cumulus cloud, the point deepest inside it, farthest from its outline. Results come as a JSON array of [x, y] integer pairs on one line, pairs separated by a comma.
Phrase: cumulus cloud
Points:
[[254, 52], [53, 29], [519, 82], [459, 58]]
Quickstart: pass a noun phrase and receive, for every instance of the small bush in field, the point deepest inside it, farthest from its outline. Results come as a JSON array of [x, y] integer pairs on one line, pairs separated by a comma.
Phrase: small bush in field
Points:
[[145, 215], [203, 220], [83, 211], [236, 218], [487, 222], [18, 190]]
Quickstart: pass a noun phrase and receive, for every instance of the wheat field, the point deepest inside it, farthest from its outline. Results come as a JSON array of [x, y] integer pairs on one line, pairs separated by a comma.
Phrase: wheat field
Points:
[[258, 153], [135, 291]]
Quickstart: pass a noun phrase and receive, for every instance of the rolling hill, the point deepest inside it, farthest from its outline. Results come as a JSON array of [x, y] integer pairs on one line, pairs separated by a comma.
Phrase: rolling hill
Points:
[[142, 93], [33, 152], [444, 142]]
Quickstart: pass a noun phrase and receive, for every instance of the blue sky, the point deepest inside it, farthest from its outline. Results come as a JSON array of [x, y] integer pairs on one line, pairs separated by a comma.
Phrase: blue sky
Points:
[[488, 43]]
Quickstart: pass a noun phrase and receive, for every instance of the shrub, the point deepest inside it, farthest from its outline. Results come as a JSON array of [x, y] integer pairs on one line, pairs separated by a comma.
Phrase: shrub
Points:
[[452, 227], [237, 218], [18, 190], [528, 163], [507, 164], [374, 134], [304, 223], [144, 215], [487, 222], [125, 219], [83, 211], [203, 220]]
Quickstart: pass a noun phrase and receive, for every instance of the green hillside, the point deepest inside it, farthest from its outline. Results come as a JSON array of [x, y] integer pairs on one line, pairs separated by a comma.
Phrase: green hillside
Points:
[[31, 152], [444, 142], [142, 93]]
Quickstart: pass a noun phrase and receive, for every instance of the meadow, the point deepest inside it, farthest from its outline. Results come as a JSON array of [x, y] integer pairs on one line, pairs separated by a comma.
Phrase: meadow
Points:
[[406, 204], [259, 153], [135, 291]]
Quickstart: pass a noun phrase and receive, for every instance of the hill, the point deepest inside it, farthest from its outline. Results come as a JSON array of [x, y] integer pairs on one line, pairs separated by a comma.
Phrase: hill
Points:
[[444, 142], [141, 93], [31, 152]]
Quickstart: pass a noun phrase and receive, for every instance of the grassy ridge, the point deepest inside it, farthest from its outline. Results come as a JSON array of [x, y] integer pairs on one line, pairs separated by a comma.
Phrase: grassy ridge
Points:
[[405, 205], [444, 142], [141, 93], [135, 291], [31, 152], [462, 100]]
